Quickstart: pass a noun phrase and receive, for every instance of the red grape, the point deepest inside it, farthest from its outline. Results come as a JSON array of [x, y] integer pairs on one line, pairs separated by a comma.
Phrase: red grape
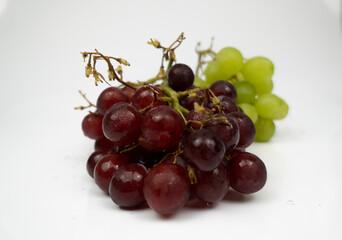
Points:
[[126, 185], [93, 160], [246, 128], [146, 95], [92, 126], [180, 77], [121, 124], [166, 188], [108, 98], [224, 88]]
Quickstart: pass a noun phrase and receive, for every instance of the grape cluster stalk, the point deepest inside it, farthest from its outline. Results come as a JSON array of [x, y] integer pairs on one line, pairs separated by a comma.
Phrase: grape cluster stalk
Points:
[[175, 136]]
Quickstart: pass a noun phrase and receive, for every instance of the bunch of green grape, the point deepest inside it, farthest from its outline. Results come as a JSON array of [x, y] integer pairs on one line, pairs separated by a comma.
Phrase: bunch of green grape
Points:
[[252, 79]]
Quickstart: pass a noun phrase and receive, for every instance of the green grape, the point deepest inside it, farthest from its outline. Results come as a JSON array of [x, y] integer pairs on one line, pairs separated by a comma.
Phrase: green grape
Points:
[[258, 71], [271, 106], [230, 61], [245, 92], [213, 73], [249, 110], [264, 128], [198, 82]]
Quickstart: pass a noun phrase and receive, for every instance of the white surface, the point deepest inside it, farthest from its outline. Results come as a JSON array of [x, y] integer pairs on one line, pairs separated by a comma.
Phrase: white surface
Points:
[[45, 192]]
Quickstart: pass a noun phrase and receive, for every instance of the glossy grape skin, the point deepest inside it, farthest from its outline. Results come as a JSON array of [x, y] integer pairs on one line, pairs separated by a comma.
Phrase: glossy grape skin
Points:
[[230, 61], [213, 185], [198, 116], [106, 167], [271, 106], [108, 98], [213, 72], [93, 159], [265, 129], [250, 111], [247, 173], [126, 185], [121, 124], [225, 88], [92, 126], [146, 96], [204, 150], [105, 145], [246, 129], [228, 133], [180, 77], [258, 71], [162, 127], [245, 92], [166, 188]]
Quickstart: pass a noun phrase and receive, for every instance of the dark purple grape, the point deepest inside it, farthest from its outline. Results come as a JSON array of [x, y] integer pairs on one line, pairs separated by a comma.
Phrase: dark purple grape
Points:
[[180, 77], [204, 150], [227, 104], [198, 116], [246, 128], [227, 132], [247, 172], [189, 102], [121, 124], [162, 127], [129, 92], [92, 126], [225, 88], [146, 95], [93, 160], [106, 167], [126, 185], [212, 186], [166, 188], [108, 98]]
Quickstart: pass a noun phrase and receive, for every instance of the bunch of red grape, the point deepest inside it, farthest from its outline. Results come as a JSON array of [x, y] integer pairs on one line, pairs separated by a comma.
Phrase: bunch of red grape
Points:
[[163, 143]]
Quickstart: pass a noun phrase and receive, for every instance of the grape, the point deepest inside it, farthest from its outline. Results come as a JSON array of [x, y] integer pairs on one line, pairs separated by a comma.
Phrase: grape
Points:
[[204, 149], [271, 106], [105, 145], [121, 124], [93, 160], [197, 116], [225, 88], [213, 72], [180, 77], [166, 188], [198, 82], [247, 173], [213, 185], [265, 129], [228, 133], [146, 95], [108, 98], [246, 129], [126, 185], [230, 61], [250, 111], [106, 167], [92, 126], [258, 71], [245, 92], [162, 127]]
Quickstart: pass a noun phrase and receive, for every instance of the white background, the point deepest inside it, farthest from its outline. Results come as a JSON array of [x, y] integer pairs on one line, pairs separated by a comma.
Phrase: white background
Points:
[[45, 192]]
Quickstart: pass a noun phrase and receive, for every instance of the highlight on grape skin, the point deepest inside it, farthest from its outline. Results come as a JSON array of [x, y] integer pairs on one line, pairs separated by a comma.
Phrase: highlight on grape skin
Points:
[[183, 132]]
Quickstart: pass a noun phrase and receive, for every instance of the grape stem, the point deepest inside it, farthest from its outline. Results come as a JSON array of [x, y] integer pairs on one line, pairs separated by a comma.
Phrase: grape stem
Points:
[[85, 98], [201, 54]]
